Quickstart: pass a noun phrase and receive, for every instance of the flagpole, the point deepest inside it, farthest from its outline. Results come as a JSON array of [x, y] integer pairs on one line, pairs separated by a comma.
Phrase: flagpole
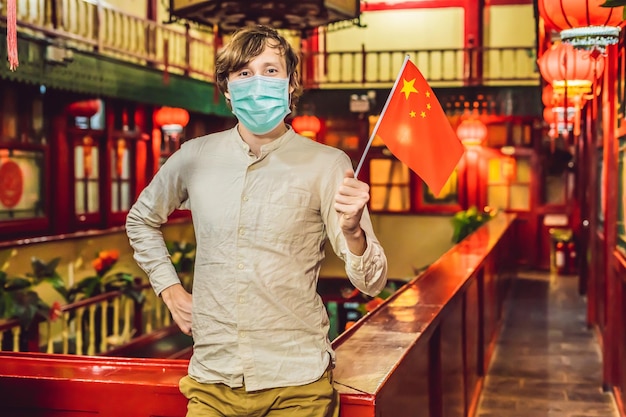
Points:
[[382, 113]]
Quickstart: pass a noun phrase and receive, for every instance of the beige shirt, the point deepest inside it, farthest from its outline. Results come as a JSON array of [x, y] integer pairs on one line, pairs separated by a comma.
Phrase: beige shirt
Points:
[[260, 226]]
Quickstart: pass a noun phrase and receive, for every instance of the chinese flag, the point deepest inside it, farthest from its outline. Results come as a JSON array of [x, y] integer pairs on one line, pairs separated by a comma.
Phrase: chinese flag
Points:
[[416, 130]]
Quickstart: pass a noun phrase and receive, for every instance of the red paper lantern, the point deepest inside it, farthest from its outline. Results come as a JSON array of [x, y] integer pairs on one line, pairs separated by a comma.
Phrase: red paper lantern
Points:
[[472, 132], [583, 23], [551, 99], [171, 116], [563, 66], [85, 108], [306, 124]]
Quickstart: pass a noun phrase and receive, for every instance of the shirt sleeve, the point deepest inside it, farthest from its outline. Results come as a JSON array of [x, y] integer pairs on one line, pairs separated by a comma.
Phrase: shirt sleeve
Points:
[[367, 272], [166, 192]]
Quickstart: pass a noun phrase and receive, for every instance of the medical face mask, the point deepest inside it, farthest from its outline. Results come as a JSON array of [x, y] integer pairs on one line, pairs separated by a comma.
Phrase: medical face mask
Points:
[[260, 103]]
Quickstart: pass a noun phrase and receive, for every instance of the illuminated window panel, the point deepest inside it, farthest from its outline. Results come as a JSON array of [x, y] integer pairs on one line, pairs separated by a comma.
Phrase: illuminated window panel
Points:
[[120, 176], [498, 196], [86, 178], [389, 185], [519, 198]]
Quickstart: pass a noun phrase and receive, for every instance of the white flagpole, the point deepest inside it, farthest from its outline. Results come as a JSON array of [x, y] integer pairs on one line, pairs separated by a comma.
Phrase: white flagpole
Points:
[[382, 113]]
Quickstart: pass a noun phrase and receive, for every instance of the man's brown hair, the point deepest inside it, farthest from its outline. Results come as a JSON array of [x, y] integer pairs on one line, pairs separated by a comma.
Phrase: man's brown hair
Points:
[[248, 43]]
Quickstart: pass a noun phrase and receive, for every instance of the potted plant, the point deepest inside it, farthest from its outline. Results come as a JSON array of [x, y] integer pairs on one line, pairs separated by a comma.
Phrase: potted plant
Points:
[[20, 300], [182, 255], [103, 282], [467, 221]]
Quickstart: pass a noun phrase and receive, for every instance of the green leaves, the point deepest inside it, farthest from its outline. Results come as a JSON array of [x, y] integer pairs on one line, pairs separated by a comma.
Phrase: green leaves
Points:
[[182, 255], [613, 3], [616, 3], [19, 300], [465, 222]]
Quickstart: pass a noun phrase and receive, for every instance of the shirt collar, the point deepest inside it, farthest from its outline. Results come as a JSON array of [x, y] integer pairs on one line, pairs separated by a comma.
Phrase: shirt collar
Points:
[[268, 147]]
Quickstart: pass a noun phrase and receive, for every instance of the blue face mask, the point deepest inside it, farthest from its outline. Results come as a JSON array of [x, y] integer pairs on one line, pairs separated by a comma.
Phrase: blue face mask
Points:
[[260, 103]]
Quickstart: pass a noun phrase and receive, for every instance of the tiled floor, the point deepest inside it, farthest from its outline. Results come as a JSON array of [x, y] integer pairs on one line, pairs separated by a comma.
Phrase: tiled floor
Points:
[[546, 362]]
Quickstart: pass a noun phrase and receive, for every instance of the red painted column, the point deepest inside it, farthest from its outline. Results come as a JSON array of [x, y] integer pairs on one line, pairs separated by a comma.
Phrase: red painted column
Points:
[[474, 41], [61, 162], [610, 343]]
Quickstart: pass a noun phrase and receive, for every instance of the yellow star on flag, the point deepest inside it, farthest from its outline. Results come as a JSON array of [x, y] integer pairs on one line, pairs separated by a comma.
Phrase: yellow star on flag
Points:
[[408, 88]]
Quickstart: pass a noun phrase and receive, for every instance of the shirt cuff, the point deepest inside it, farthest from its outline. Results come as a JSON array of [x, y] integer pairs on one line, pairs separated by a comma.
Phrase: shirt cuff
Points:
[[164, 277]]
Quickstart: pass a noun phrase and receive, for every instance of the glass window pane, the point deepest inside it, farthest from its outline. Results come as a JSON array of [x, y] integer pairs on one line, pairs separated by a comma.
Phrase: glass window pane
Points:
[[389, 185], [383, 171], [523, 170], [494, 175], [126, 197], [126, 165], [114, 196], [93, 197], [79, 197], [497, 196], [390, 198], [79, 159], [520, 197], [93, 159]]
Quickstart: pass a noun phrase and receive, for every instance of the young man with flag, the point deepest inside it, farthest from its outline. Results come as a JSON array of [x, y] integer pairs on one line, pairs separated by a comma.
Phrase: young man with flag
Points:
[[264, 200]]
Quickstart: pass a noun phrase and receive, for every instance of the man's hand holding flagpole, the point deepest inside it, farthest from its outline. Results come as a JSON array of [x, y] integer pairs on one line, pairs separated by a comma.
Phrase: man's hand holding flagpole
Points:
[[416, 130]]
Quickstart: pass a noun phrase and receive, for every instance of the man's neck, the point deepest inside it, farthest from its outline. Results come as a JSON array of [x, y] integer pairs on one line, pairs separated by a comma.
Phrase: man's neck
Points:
[[256, 141]]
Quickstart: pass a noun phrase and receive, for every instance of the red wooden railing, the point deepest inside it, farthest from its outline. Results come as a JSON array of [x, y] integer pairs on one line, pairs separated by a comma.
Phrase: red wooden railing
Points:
[[95, 325], [424, 351]]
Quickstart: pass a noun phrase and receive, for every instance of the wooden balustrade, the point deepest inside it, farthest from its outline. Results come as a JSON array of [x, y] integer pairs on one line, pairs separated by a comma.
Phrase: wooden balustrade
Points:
[[441, 67], [424, 351], [91, 326], [90, 25]]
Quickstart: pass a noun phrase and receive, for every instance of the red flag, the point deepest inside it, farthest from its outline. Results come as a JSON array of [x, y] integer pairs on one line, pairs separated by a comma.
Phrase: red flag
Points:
[[416, 130]]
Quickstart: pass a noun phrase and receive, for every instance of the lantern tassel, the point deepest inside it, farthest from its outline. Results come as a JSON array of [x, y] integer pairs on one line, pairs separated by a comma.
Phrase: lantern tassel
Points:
[[12, 34]]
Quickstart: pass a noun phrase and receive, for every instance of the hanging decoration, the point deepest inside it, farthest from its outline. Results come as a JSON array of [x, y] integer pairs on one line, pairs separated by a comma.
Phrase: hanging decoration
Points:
[[12, 34], [472, 132], [307, 125], [171, 118], [584, 24], [560, 116], [569, 70], [572, 74], [85, 108]]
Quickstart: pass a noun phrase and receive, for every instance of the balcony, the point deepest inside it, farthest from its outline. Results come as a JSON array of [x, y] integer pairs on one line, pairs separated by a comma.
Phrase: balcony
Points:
[[87, 26]]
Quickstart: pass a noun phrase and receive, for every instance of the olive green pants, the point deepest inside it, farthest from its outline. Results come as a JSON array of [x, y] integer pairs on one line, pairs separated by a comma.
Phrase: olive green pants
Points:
[[317, 399]]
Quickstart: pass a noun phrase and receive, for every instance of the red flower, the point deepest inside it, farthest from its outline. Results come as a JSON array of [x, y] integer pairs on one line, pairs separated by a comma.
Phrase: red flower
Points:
[[98, 265], [105, 261], [372, 304], [55, 311]]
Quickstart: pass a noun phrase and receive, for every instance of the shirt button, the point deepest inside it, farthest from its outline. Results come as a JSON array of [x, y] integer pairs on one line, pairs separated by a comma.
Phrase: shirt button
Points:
[[240, 266], [242, 334], [242, 231], [242, 300], [245, 198]]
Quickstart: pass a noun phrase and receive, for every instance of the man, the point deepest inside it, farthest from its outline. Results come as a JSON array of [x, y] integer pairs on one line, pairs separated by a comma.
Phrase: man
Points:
[[263, 201]]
